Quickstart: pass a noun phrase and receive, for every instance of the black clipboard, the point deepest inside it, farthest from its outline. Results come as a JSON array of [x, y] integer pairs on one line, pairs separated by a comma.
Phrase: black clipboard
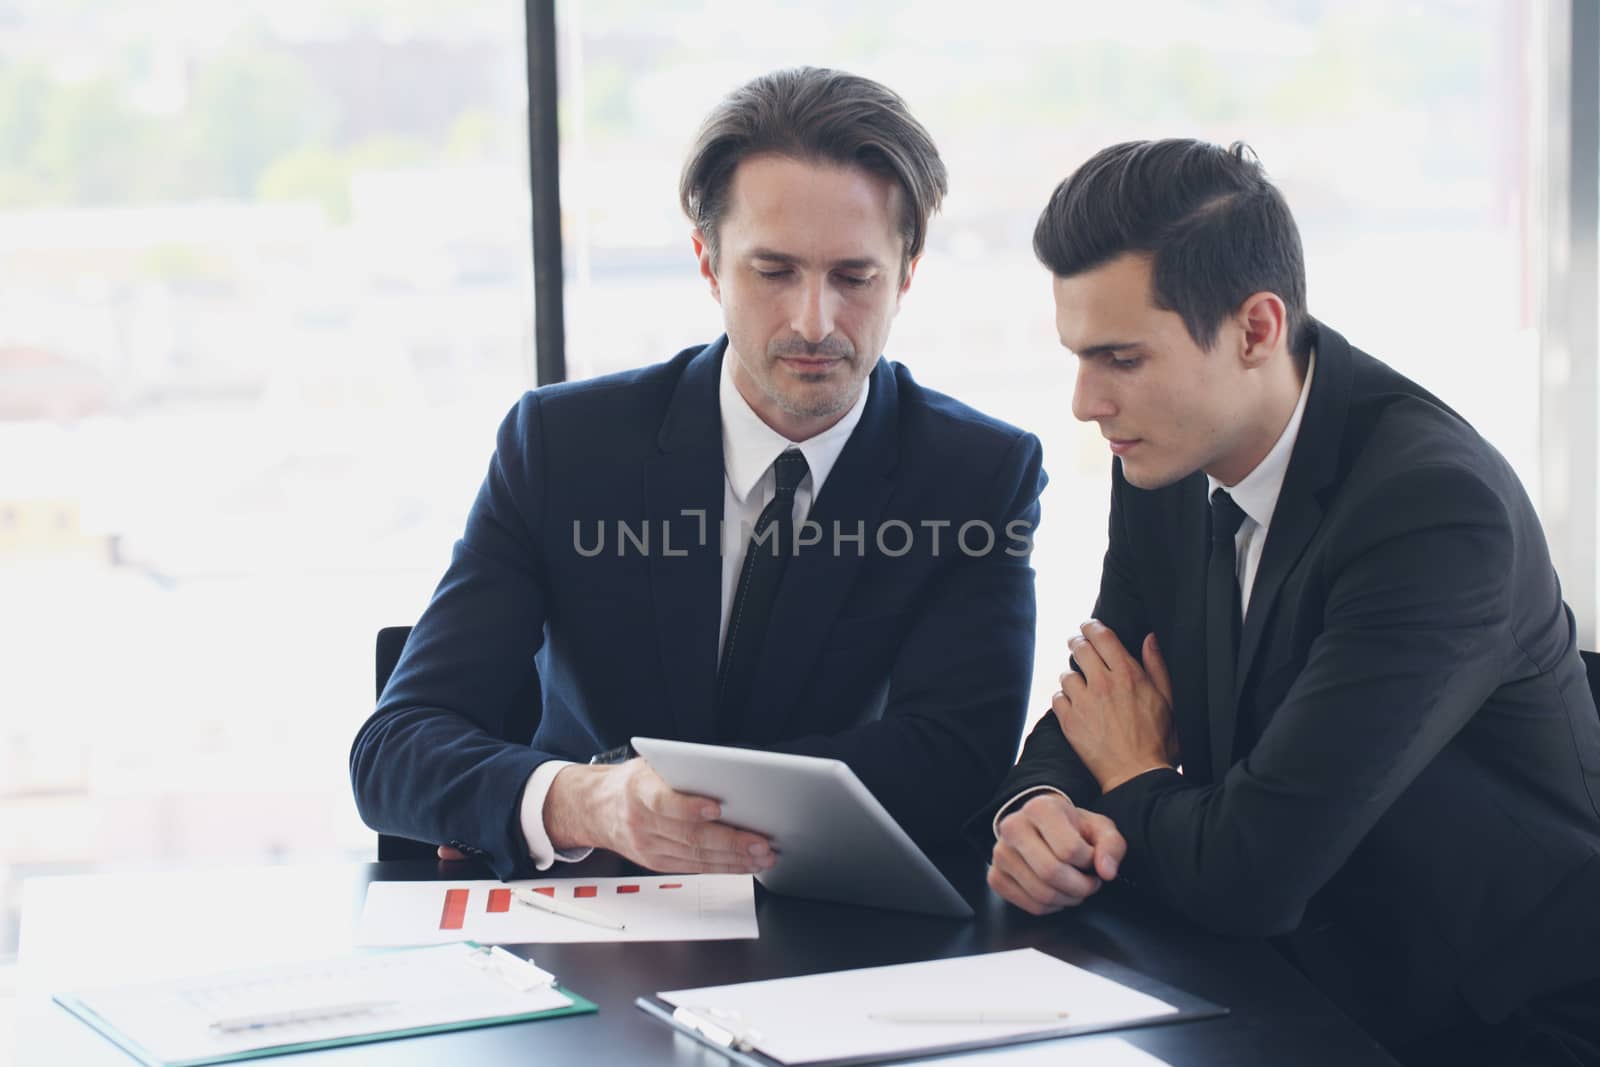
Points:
[[714, 1034]]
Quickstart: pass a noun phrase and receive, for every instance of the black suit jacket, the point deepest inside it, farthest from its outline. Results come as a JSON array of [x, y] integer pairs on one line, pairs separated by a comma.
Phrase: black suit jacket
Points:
[[892, 647], [1406, 788]]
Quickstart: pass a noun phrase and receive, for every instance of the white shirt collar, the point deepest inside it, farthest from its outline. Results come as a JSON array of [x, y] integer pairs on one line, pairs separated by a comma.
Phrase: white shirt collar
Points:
[[749, 445], [1257, 492]]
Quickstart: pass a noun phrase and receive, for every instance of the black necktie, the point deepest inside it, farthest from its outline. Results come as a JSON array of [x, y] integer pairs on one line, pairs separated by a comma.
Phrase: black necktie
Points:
[[771, 544], [1222, 614]]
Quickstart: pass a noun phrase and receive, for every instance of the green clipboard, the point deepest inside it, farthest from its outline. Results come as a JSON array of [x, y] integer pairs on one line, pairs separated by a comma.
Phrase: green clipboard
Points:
[[162, 1023]]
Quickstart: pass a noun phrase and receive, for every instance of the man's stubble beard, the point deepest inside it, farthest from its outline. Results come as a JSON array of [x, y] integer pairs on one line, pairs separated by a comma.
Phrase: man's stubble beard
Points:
[[821, 406]]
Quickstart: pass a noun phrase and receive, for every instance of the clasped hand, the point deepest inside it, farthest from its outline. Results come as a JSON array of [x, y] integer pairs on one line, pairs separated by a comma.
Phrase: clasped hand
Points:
[[1117, 716]]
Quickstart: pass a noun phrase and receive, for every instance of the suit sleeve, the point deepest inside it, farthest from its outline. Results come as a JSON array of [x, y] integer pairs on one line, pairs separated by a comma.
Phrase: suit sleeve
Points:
[[444, 757], [1416, 625], [1047, 760], [957, 693]]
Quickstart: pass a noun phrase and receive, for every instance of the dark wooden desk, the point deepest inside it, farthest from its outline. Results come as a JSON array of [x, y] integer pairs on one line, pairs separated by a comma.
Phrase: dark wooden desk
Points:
[[79, 931]]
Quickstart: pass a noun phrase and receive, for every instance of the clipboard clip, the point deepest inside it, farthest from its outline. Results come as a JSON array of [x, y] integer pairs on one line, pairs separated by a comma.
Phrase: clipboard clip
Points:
[[520, 974], [726, 1029]]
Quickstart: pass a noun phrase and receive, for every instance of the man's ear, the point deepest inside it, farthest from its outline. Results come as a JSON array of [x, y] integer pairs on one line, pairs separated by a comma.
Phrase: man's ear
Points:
[[905, 283], [1264, 322], [708, 264]]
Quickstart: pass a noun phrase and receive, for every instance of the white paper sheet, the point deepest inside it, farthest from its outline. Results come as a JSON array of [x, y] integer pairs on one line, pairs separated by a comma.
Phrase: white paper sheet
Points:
[[1067, 1052], [826, 1016], [682, 907], [172, 1020]]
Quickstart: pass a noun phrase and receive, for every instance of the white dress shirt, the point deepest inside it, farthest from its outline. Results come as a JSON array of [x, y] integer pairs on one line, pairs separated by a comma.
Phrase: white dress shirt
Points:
[[749, 447], [1257, 496]]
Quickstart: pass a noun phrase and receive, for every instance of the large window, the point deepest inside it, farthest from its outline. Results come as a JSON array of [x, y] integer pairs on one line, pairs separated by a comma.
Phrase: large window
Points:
[[264, 294]]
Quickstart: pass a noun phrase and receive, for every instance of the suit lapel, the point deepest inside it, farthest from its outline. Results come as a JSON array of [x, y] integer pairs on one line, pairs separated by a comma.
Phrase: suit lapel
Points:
[[817, 581], [1313, 465], [684, 494]]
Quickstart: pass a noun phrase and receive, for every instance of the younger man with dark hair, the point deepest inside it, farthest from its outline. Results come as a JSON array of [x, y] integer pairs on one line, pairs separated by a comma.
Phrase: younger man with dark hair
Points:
[[1330, 693], [830, 617]]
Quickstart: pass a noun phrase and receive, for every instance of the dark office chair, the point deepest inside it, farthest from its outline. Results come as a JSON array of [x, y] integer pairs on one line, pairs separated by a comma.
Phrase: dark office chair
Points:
[[391, 639]]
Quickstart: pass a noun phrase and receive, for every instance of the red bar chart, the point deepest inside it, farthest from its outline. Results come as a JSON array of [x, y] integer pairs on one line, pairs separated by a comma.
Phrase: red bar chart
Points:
[[455, 909], [693, 907]]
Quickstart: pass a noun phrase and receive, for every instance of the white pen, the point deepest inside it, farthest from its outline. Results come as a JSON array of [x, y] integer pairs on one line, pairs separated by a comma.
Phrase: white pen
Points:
[[561, 907], [969, 1015], [237, 1023]]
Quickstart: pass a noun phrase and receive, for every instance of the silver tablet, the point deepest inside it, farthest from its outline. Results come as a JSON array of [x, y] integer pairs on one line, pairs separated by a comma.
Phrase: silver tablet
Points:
[[834, 840]]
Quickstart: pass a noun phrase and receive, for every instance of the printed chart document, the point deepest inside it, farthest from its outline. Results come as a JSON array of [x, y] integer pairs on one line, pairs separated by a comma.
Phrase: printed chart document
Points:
[[298, 1007], [938, 1006], [655, 907]]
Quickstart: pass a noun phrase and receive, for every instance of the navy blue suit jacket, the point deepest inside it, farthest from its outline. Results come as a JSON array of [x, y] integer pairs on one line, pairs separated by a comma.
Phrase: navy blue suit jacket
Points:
[[911, 664], [1407, 787]]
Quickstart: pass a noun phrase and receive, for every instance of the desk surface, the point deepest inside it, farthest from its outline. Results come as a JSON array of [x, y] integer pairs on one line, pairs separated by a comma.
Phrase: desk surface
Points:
[[94, 929]]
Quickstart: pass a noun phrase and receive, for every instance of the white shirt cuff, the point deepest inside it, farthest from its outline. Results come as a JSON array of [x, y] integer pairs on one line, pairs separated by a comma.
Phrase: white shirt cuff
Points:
[[533, 829], [1006, 808]]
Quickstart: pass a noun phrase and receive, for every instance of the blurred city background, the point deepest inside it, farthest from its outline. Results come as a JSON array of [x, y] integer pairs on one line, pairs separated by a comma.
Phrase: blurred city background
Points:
[[265, 292]]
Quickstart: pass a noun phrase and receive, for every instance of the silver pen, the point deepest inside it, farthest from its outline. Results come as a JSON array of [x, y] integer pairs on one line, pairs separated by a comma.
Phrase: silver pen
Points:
[[235, 1024], [561, 907], [970, 1015]]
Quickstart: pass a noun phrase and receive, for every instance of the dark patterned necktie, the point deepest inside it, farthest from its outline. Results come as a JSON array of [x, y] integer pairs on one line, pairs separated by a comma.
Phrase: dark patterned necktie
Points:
[[766, 556], [1223, 616]]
